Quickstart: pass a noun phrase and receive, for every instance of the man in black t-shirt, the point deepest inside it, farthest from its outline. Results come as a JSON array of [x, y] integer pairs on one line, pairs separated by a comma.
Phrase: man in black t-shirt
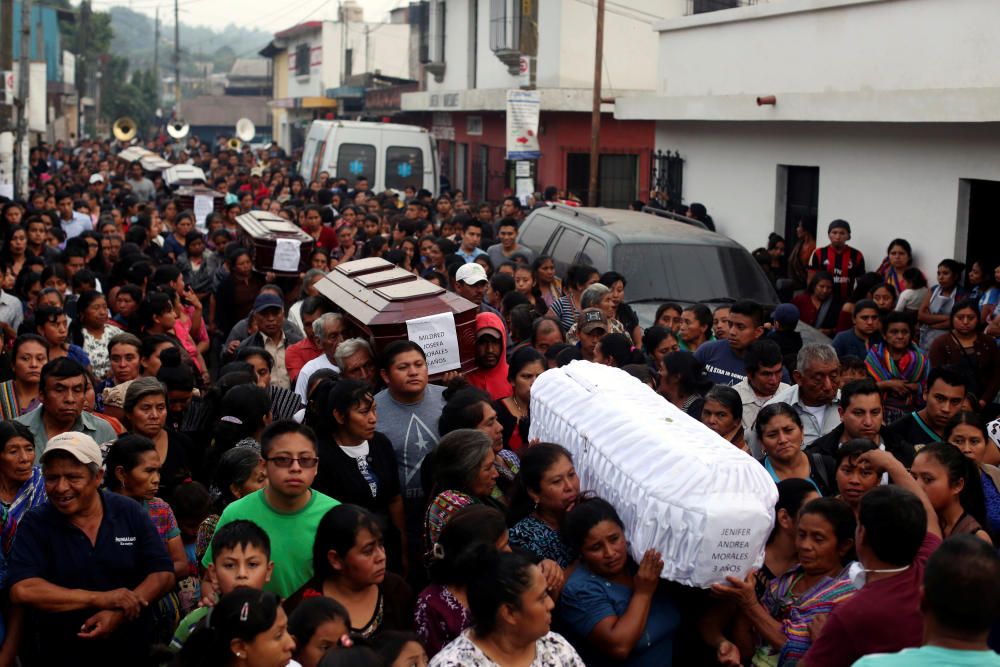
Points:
[[88, 565], [943, 397]]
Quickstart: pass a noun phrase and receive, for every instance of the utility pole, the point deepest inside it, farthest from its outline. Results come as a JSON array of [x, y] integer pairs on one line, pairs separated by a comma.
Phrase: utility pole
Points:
[[177, 62], [343, 44], [156, 52], [7, 58], [595, 114], [21, 140], [83, 64]]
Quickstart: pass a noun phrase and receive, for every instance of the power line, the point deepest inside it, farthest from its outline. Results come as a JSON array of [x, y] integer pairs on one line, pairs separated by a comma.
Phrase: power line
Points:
[[111, 4], [627, 12], [322, 4]]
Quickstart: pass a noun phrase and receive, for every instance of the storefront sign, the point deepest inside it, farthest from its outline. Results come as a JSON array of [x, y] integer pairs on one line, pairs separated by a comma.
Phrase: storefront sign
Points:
[[444, 101], [389, 98], [443, 132]]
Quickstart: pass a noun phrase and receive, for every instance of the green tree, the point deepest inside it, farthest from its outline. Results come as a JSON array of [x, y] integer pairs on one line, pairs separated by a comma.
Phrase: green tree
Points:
[[223, 59], [135, 98]]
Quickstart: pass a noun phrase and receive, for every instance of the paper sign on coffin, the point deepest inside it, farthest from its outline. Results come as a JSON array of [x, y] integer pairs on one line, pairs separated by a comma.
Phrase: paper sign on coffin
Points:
[[679, 487]]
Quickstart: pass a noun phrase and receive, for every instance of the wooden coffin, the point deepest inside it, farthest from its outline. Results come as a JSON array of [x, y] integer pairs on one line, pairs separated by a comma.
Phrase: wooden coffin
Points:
[[264, 232], [189, 195], [388, 303]]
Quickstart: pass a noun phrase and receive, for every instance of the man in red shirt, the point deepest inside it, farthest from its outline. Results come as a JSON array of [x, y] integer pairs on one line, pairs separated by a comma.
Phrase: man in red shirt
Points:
[[896, 534], [838, 259]]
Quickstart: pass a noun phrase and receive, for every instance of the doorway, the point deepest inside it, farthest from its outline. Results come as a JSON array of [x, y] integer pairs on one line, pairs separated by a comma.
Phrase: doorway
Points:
[[617, 178], [578, 175], [798, 195], [983, 231]]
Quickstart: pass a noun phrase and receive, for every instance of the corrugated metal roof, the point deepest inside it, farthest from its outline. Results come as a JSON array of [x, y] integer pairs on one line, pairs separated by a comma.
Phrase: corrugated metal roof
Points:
[[249, 67]]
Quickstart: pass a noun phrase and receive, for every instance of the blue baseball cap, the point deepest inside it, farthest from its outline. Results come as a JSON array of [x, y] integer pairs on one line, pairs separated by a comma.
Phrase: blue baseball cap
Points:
[[267, 300]]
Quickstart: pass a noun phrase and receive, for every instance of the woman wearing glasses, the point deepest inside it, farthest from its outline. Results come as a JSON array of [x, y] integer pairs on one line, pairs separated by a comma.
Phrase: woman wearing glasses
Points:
[[286, 508]]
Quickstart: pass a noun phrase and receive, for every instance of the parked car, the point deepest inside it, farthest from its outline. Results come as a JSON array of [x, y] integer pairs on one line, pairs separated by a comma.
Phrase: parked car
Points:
[[662, 259], [389, 155]]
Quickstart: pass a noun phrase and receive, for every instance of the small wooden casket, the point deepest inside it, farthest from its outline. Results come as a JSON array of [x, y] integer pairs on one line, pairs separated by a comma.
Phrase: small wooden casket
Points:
[[275, 244], [201, 200], [389, 303]]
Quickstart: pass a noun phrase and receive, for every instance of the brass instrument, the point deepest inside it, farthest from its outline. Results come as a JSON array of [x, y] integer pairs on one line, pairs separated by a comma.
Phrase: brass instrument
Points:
[[125, 129], [178, 129], [245, 130]]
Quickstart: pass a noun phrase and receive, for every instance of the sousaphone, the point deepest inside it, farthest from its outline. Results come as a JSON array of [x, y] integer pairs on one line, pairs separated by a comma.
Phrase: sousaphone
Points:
[[125, 129], [245, 130], [178, 129]]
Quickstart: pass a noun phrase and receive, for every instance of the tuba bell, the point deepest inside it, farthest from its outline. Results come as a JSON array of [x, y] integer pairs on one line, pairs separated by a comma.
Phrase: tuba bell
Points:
[[245, 130], [125, 129], [178, 129]]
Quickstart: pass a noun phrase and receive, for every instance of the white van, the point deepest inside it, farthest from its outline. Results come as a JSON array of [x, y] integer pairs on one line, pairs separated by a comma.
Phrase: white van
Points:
[[388, 154]]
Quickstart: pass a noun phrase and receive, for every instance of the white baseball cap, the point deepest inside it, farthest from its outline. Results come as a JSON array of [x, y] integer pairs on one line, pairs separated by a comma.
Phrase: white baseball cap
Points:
[[80, 445], [471, 274], [96, 178]]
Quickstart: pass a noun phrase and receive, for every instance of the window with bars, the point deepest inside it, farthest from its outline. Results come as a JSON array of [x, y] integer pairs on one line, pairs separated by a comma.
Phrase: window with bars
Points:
[[302, 58]]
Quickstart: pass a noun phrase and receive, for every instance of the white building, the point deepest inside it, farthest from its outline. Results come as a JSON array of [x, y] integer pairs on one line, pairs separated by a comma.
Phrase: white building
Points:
[[471, 51], [311, 59], [886, 114]]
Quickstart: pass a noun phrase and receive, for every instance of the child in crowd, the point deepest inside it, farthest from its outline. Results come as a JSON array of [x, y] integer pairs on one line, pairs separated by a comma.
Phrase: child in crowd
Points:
[[241, 558]]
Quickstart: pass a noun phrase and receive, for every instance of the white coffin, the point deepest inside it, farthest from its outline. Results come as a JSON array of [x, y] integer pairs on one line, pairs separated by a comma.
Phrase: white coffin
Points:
[[679, 487]]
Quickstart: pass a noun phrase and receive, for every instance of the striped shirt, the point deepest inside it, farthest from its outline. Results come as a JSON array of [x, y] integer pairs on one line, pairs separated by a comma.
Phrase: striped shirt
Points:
[[845, 266], [797, 612]]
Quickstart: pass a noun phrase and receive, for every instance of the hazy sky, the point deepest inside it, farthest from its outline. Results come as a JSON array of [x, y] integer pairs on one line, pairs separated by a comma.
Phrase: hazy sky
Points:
[[270, 15]]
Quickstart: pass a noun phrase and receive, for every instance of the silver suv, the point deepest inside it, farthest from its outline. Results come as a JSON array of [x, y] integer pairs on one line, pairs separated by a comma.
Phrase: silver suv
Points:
[[662, 259]]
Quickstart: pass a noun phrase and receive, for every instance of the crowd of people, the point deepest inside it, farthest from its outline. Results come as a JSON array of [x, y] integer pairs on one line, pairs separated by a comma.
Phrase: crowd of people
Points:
[[204, 464]]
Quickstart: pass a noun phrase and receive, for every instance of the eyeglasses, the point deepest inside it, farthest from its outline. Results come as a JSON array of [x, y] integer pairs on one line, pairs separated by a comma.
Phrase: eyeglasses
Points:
[[286, 461]]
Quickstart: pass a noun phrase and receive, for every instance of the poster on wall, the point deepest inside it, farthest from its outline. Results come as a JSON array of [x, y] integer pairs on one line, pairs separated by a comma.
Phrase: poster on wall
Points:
[[523, 110]]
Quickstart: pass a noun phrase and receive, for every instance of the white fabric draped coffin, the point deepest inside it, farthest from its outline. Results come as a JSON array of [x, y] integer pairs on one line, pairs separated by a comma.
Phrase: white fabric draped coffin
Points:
[[679, 487]]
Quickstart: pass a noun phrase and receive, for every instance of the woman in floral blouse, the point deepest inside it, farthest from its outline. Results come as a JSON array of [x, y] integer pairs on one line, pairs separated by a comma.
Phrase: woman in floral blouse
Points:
[[91, 331], [512, 613]]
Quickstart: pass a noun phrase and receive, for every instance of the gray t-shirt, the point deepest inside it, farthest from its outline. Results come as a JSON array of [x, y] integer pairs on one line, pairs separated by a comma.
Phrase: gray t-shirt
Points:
[[495, 252], [143, 189], [412, 428]]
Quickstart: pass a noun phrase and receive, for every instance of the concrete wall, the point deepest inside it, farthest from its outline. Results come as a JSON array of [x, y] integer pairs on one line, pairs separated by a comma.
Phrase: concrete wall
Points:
[[319, 43], [378, 46], [629, 44], [566, 46], [887, 180], [560, 134], [385, 43], [828, 46]]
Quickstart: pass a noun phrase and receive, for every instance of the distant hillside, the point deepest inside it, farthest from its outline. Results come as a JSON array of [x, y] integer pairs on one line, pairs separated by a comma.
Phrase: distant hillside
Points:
[[134, 37]]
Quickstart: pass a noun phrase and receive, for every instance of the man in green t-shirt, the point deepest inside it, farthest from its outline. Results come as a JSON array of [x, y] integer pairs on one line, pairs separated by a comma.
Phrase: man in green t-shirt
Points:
[[287, 508]]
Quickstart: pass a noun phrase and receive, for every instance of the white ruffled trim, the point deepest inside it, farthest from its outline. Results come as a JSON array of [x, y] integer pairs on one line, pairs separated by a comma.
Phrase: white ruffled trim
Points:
[[680, 488]]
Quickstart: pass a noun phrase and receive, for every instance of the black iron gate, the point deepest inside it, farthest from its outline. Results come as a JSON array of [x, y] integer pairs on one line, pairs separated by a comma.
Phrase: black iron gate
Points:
[[667, 175]]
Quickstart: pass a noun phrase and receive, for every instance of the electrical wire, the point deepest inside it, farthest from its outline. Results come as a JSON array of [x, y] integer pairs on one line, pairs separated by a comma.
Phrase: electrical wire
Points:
[[610, 8]]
